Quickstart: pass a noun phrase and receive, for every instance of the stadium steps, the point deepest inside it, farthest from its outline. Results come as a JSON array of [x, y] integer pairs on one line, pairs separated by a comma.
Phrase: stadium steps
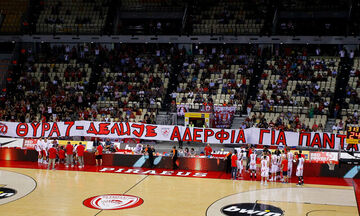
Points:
[[254, 81], [330, 122], [4, 65], [163, 118], [237, 122], [342, 80]]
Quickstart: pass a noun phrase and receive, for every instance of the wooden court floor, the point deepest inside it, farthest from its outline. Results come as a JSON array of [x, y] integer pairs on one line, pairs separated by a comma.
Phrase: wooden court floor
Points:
[[59, 192]]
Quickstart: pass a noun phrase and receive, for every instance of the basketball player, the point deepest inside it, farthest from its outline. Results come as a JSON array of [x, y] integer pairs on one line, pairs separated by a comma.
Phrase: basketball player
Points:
[[264, 169], [274, 166], [174, 157], [282, 157], [240, 162], [290, 158], [278, 162], [300, 169], [38, 148], [284, 168], [253, 164], [44, 145], [234, 161], [98, 155]]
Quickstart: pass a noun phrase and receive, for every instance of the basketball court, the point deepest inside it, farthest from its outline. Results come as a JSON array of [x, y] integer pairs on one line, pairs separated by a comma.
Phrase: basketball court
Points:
[[33, 190]]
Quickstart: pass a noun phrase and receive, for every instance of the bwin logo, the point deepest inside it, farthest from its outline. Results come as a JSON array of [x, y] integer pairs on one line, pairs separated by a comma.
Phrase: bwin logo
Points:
[[247, 209], [6, 192]]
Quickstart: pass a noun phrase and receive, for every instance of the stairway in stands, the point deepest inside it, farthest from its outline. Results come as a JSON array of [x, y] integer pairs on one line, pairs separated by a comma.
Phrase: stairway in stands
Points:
[[236, 123], [254, 81], [173, 82], [330, 122], [4, 65], [342, 80]]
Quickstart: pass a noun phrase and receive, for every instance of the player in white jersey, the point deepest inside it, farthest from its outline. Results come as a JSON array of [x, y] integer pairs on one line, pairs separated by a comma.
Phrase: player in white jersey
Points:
[[300, 169], [38, 148], [274, 166], [44, 148], [264, 169], [253, 164], [281, 157], [240, 162], [75, 155], [290, 157], [49, 145]]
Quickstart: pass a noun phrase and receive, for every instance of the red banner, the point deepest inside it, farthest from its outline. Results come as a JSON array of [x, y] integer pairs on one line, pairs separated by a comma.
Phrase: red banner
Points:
[[30, 143]]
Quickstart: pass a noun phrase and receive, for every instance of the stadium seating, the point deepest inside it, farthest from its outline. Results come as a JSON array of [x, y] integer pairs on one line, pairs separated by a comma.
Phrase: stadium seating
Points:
[[352, 96], [47, 79], [12, 10], [150, 5], [350, 112], [218, 82], [229, 17], [303, 88], [319, 20], [83, 17]]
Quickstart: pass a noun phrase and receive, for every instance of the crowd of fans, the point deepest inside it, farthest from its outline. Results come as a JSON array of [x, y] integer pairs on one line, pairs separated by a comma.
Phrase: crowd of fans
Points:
[[288, 72], [125, 82], [74, 93], [284, 122], [214, 70]]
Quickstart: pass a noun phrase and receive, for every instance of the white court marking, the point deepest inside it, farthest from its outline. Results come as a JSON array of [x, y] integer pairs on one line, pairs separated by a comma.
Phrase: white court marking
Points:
[[302, 195], [22, 184]]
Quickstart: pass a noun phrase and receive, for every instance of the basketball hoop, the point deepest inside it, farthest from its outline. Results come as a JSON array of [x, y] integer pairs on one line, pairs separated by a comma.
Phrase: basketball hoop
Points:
[[331, 165]]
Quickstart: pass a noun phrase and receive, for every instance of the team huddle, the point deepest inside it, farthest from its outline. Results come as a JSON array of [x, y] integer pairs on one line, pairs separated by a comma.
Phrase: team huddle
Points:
[[274, 166], [50, 152]]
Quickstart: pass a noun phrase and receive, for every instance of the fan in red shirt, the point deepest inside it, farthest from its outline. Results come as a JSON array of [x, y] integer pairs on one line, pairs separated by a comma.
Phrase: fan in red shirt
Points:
[[69, 155], [52, 157], [208, 150], [80, 153], [98, 155], [234, 165], [61, 155]]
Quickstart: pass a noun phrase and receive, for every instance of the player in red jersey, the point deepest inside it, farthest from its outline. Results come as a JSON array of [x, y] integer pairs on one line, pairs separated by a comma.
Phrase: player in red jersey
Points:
[[284, 168]]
